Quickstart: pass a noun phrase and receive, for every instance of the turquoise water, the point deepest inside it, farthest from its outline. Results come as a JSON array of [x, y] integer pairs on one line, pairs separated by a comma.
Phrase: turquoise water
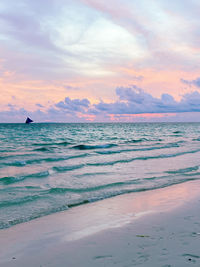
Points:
[[46, 168]]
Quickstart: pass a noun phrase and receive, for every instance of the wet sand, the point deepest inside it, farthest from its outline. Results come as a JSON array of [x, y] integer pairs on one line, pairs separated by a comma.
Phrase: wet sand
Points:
[[153, 228]]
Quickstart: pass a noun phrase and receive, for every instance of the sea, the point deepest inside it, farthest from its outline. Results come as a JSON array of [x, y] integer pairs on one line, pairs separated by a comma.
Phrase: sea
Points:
[[51, 167]]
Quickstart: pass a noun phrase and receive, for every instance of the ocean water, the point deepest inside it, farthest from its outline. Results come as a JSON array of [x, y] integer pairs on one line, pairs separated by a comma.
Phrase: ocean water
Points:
[[46, 168]]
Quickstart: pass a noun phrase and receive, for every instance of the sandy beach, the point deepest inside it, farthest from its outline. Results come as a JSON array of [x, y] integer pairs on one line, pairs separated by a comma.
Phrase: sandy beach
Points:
[[153, 228]]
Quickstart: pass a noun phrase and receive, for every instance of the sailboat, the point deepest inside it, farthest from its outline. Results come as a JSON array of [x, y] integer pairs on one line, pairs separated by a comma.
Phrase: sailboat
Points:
[[28, 120]]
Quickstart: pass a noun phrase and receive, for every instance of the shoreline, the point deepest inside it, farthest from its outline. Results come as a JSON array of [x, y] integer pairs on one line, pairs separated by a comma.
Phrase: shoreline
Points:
[[92, 229]]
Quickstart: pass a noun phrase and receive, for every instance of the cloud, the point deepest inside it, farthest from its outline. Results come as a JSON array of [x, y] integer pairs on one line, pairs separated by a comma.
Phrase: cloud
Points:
[[69, 87], [39, 105], [137, 78], [133, 103], [69, 40], [29, 32], [146, 20], [26, 29], [195, 82], [75, 105], [134, 100], [68, 111]]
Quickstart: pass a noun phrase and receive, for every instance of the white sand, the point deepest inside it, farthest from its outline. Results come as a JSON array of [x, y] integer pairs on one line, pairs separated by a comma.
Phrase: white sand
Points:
[[154, 228]]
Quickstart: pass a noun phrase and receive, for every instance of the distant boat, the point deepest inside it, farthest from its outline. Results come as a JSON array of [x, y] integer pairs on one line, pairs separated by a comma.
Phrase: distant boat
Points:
[[28, 120]]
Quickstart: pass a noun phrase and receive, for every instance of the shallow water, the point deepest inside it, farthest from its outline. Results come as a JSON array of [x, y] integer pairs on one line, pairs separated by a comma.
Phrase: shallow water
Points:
[[45, 168]]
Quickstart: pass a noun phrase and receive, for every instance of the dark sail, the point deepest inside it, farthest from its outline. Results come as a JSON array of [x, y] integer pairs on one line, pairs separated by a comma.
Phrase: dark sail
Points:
[[28, 120]]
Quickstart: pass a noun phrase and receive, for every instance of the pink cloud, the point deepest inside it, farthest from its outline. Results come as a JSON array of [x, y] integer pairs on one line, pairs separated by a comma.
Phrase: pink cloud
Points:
[[133, 104]]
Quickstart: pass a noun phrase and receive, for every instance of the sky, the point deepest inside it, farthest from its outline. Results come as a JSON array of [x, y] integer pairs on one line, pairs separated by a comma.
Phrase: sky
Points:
[[99, 60]]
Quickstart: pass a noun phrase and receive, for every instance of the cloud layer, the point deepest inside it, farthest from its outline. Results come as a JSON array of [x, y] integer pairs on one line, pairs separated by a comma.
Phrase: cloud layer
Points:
[[66, 55], [135, 101], [195, 82], [131, 101]]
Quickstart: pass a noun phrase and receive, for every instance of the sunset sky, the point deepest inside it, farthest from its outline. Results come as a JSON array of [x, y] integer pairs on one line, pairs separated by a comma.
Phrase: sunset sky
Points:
[[99, 60]]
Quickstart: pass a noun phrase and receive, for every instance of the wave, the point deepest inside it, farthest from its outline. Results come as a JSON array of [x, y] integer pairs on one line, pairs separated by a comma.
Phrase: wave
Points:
[[43, 149], [92, 174], [119, 191], [64, 143], [87, 147], [106, 163], [68, 168], [57, 190], [162, 156], [14, 179], [45, 193], [19, 201], [139, 140], [184, 170], [196, 139], [40, 160], [177, 132], [85, 200], [16, 156], [169, 145], [36, 215]]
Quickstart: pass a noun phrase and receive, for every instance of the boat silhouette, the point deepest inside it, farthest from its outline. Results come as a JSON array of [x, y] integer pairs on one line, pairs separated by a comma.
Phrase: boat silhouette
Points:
[[28, 120]]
